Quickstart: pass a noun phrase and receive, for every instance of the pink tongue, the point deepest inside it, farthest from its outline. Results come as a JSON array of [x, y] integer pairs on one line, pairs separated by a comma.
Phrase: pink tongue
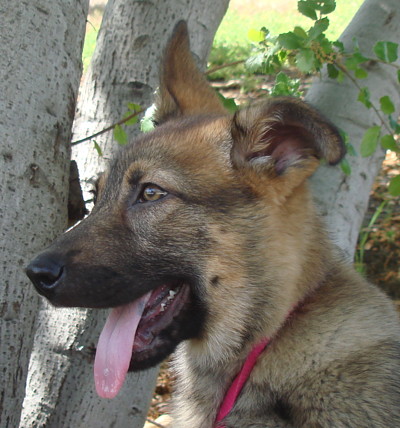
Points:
[[114, 350]]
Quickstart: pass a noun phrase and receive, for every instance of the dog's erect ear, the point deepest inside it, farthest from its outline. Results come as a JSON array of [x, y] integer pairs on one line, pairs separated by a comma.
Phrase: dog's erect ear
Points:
[[183, 88], [282, 136]]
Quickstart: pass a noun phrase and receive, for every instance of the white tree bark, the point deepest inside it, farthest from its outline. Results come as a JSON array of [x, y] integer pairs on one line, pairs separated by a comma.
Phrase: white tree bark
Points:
[[124, 69], [126, 63], [40, 44], [344, 199]]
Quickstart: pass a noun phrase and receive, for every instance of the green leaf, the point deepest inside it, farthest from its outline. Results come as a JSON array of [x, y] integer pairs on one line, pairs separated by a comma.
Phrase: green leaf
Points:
[[256, 36], [351, 151], [333, 72], [290, 41], [132, 120], [359, 57], [369, 141], [255, 62], [300, 32], [345, 166], [328, 7], [341, 76], [98, 148], [281, 77], [339, 46], [306, 8], [282, 55], [387, 105], [394, 125], [284, 85], [386, 51], [319, 27], [134, 107], [352, 63], [120, 135], [229, 103], [305, 60], [394, 186], [344, 135], [325, 44], [389, 143], [360, 73], [364, 97]]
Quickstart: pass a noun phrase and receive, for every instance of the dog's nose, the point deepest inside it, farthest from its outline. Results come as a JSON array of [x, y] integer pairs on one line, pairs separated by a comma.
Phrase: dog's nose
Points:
[[45, 272]]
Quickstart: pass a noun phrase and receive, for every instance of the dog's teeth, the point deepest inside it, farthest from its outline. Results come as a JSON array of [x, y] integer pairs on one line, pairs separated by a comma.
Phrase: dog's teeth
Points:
[[171, 294], [163, 307]]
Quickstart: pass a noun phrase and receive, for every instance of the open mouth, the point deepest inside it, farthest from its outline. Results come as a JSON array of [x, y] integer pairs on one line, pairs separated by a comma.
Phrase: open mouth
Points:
[[163, 305], [134, 329]]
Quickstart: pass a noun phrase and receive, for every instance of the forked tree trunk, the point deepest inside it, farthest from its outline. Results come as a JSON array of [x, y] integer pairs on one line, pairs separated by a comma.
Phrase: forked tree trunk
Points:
[[124, 69], [344, 199], [40, 69]]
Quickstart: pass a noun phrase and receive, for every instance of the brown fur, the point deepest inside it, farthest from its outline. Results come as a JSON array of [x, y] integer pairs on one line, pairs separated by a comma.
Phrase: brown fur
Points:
[[239, 228]]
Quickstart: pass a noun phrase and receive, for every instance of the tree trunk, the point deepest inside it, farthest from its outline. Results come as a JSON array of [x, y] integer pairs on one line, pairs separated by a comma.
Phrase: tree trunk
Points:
[[344, 199], [124, 69], [40, 44]]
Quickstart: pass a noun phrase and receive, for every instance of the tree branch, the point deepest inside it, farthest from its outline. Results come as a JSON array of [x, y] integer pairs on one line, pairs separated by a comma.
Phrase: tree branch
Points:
[[109, 128], [220, 67], [355, 82], [126, 119], [155, 423]]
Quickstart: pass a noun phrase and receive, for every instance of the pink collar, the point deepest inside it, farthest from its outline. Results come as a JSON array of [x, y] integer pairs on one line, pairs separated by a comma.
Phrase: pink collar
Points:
[[238, 383]]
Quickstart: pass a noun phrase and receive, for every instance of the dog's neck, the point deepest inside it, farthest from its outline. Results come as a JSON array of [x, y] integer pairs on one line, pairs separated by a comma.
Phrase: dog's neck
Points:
[[241, 378], [218, 378]]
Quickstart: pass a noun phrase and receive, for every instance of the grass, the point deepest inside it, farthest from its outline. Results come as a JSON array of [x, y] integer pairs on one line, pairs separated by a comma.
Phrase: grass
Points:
[[92, 29], [231, 40], [237, 21]]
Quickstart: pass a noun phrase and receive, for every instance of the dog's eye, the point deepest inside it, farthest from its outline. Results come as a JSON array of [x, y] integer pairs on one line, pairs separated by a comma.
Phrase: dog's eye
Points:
[[151, 193]]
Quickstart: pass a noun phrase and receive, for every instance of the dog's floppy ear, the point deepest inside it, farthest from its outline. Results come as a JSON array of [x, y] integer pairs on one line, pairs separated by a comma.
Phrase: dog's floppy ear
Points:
[[284, 137], [183, 88]]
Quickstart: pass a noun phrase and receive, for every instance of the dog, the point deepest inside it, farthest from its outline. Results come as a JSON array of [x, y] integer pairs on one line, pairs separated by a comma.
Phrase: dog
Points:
[[205, 240]]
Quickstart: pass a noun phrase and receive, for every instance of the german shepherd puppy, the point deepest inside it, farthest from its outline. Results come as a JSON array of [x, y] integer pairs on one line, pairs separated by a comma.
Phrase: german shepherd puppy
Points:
[[205, 236]]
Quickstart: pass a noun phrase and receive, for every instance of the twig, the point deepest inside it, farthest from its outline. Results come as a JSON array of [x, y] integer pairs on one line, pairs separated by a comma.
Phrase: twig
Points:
[[155, 423], [109, 128], [94, 28], [220, 67], [377, 112], [391, 64]]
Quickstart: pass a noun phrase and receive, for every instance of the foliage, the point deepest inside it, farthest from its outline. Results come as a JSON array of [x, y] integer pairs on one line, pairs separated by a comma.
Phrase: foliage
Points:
[[226, 53], [231, 41], [309, 50], [129, 118], [302, 49]]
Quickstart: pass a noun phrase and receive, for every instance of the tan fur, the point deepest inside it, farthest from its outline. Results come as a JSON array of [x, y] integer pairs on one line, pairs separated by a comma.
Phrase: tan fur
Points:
[[335, 362], [240, 227]]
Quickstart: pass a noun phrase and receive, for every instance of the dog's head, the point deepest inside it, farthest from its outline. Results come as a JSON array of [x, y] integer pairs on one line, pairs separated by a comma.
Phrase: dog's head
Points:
[[184, 233]]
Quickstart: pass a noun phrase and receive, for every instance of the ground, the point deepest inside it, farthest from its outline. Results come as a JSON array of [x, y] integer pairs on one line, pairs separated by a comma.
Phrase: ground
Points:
[[382, 249]]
